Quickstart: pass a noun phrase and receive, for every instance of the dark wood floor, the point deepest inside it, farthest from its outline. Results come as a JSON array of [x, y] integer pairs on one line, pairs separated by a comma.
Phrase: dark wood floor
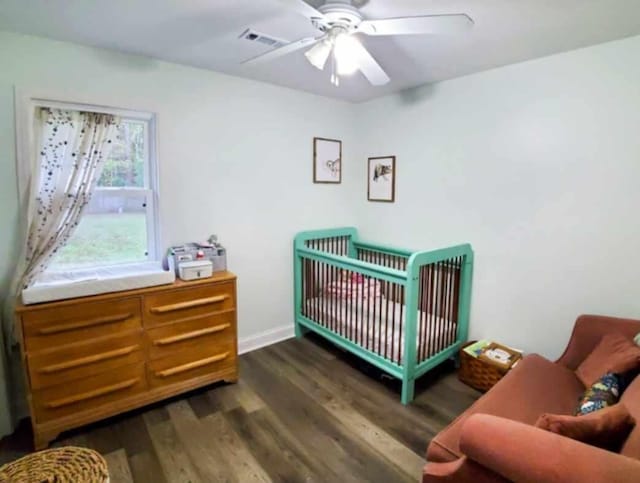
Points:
[[302, 411]]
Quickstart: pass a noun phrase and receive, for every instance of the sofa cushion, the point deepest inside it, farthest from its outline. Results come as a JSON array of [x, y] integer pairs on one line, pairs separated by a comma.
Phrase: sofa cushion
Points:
[[631, 399], [535, 386], [615, 353], [607, 428], [602, 393]]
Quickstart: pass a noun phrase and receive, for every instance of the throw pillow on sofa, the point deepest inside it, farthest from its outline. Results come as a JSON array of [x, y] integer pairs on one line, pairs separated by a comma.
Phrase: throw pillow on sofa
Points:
[[614, 353], [602, 393], [606, 429]]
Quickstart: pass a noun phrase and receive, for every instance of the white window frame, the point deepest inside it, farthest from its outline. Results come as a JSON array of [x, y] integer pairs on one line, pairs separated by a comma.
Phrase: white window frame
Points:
[[26, 106]]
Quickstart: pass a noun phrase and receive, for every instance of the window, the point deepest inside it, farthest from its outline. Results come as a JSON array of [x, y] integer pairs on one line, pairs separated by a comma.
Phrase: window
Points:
[[119, 224]]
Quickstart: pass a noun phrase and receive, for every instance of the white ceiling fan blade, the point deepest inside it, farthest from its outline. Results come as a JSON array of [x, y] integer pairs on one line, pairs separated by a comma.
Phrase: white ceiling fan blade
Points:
[[427, 24], [368, 65], [304, 9], [280, 51]]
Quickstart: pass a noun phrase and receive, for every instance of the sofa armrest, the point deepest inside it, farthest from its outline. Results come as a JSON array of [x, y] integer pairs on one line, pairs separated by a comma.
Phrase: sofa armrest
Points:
[[587, 332], [524, 453]]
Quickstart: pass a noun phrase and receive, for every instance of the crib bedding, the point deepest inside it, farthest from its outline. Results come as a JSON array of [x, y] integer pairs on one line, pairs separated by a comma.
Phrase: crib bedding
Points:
[[345, 317]]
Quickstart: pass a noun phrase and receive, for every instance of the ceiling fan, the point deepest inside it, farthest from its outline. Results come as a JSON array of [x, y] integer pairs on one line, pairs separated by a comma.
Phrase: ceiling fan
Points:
[[339, 22]]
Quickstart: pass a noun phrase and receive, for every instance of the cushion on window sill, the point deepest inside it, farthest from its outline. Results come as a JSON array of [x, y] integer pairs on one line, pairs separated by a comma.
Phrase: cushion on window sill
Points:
[[81, 283]]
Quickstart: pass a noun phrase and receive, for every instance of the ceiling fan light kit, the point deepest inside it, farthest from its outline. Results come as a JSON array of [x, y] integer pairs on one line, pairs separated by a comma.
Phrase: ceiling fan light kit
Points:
[[319, 53], [340, 24]]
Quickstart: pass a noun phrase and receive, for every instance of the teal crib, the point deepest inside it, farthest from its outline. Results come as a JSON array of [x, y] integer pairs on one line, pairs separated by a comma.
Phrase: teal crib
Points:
[[404, 312]]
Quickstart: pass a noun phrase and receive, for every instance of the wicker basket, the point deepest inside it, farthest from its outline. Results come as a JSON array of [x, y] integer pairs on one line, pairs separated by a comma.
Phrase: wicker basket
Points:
[[477, 373], [60, 465]]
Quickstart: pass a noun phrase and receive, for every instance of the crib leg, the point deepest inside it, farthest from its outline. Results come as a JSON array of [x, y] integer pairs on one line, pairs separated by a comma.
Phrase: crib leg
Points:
[[300, 330], [408, 386]]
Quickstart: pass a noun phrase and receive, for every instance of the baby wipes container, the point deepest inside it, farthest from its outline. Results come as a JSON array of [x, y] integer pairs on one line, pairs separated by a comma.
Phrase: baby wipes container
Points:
[[195, 269]]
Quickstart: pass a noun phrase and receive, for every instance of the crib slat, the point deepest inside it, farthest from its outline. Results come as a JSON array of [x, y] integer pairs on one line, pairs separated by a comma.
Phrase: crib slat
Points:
[[450, 302], [449, 293], [441, 331], [436, 298], [347, 306], [325, 301], [370, 315], [443, 303], [386, 320], [454, 297], [434, 320], [424, 298], [431, 308], [332, 300], [393, 321], [359, 313], [454, 290]]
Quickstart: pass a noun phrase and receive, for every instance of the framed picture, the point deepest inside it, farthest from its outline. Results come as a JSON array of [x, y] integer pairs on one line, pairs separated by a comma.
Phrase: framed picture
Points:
[[381, 185], [327, 160]]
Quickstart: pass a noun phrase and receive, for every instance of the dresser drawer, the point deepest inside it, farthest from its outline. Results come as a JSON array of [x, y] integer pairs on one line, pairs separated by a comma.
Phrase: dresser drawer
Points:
[[57, 326], [211, 359], [192, 334], [92, 392], [186, 303], [48, 368]]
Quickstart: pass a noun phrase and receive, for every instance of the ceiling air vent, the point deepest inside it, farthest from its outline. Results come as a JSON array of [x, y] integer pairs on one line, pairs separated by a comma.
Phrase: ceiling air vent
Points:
[[263, 39]]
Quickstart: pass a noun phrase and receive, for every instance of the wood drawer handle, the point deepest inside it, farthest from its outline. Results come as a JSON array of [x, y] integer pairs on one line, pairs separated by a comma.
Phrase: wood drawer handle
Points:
[[121, 386], [83, 324], [163, 309], [192, 335], [192, 365], [83, 361]]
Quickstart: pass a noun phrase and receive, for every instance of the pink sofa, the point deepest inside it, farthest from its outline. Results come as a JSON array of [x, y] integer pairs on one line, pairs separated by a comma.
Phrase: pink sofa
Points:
[[495, 440]]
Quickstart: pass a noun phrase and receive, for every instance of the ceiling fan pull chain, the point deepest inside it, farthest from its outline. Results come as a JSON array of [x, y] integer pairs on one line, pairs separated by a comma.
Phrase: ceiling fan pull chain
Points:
[[335, 80]]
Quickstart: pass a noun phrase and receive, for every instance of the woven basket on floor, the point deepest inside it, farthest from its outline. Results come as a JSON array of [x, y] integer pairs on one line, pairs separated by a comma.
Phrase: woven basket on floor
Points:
[[477, 373], [60, 465]]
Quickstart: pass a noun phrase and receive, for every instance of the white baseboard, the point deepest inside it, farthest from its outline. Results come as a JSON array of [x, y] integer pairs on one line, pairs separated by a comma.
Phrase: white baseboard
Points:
[[263, 339]]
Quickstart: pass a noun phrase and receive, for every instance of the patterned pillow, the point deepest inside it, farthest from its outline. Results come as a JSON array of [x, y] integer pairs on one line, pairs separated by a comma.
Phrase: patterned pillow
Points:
[[602, 393]]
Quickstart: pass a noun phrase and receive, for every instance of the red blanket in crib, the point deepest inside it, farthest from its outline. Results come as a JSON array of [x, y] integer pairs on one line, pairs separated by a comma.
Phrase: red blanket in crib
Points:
[[353, 286]]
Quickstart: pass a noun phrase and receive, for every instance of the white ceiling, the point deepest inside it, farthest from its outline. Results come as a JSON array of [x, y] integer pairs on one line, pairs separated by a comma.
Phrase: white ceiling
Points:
[[204, 33]]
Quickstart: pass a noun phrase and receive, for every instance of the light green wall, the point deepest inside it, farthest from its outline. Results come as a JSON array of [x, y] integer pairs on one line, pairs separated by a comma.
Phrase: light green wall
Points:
[[8, 214], [234, 159]]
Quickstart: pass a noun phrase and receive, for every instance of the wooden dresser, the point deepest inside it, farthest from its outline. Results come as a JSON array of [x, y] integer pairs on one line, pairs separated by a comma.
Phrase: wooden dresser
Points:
[[89, 358]]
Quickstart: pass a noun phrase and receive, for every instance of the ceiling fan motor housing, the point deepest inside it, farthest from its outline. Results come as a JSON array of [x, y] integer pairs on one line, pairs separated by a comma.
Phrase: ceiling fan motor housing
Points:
[[340, 14]]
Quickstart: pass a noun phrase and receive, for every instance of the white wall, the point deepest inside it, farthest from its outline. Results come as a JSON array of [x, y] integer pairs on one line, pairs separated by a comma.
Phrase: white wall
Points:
[[235, 159], [538, 166]]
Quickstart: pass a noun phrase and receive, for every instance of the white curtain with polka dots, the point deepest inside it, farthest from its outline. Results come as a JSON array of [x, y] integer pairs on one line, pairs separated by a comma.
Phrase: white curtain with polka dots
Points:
[[72, 147]]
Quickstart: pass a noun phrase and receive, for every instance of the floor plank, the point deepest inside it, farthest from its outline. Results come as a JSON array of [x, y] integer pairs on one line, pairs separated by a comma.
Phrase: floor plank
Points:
[[278, 450], [172, 455], [200, 445], [303, 411], [242, 464], [119, 471]]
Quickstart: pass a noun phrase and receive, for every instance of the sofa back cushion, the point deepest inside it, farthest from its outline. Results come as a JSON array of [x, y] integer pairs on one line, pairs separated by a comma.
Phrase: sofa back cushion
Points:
[[631, 399], [616, 353]]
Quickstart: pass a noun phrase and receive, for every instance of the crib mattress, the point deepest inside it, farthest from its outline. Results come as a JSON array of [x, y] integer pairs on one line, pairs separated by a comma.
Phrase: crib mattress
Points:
[[374, 335], [66, 285]]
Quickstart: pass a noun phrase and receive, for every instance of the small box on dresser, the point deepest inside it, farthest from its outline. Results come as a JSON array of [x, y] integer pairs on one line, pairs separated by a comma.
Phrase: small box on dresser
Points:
[[89, 358]]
